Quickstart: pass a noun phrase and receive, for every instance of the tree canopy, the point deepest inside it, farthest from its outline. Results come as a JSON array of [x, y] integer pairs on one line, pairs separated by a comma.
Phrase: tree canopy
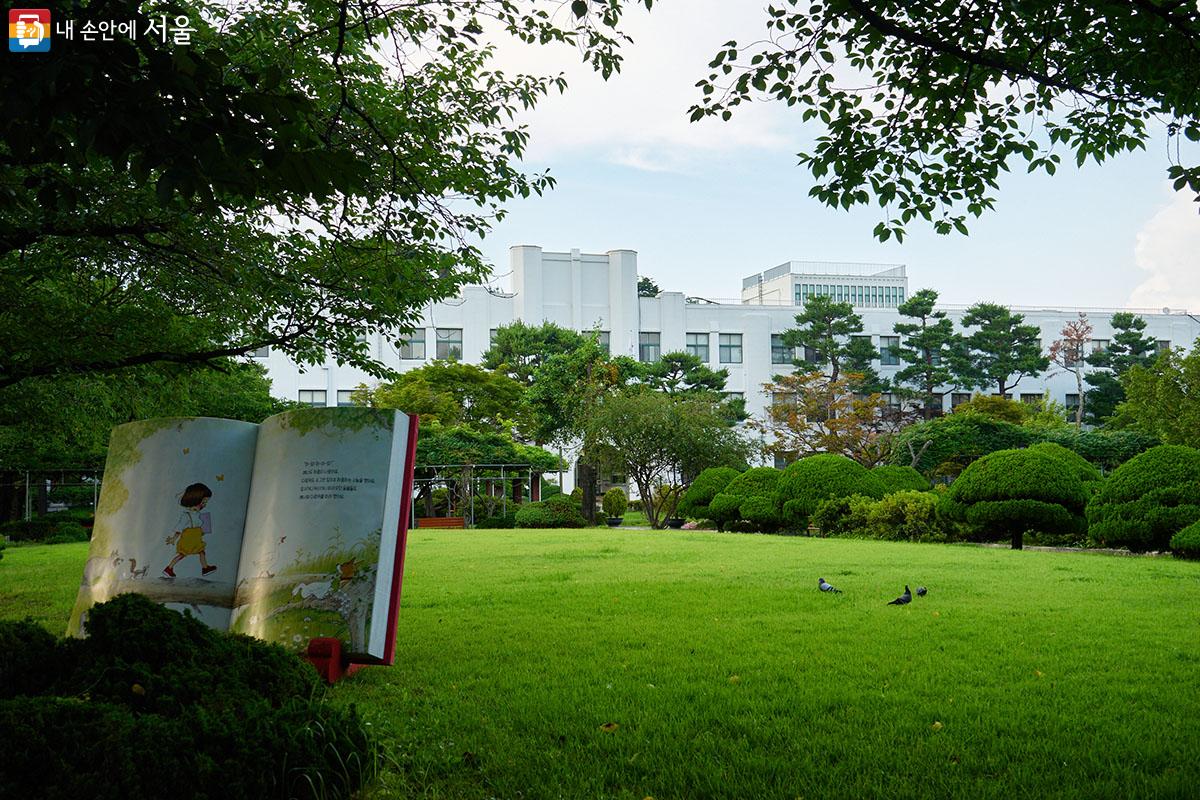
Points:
[[1001, 351], [923, 103], [298, 176]]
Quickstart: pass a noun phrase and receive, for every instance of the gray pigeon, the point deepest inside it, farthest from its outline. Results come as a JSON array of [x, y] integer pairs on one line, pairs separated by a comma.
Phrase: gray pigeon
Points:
[[903, 599], [922, 591], [827, 587]]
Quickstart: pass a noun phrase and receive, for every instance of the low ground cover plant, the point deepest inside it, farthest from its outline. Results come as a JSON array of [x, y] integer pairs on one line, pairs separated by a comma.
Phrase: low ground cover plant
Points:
[[156, 704]]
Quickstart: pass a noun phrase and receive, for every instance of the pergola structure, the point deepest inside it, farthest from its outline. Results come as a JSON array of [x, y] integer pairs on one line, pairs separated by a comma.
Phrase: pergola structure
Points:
[[472, 488]]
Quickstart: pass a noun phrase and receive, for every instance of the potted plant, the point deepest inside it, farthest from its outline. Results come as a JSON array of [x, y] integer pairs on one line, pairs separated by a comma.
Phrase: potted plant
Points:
[[614, 505], [675, 522]]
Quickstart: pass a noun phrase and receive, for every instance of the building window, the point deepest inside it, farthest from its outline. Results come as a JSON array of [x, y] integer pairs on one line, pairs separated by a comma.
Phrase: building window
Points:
[[1162, 346], [449, 344], [730, 348], [780, 353], [1031, 399], [412, 347], [346, 398], [313, 397], [697, 345], [1099, 345], [889, 350], [492, 335], [1072, 403], [781, 461], [602, 339], [958, 398], [733, 395], [811, 356], [649, 346]]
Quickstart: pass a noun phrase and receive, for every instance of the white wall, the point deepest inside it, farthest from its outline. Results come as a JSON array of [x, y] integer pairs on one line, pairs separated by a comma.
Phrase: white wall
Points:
[[585, 291]]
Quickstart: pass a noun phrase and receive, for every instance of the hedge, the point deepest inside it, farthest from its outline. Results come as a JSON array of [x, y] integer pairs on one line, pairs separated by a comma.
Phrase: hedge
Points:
[[805, 483], [707, 485], [559, 511], [899, 479], [1008, 492], [51, 529], [156, 704], [1147, 500]]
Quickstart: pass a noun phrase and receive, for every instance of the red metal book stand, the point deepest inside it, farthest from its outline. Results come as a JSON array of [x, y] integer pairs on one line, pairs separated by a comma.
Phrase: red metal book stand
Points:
[[326, 655]]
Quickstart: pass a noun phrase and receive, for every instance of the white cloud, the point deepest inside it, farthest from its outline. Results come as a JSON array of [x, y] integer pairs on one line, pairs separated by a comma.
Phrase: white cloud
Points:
[[638, 118], [1168, 248]]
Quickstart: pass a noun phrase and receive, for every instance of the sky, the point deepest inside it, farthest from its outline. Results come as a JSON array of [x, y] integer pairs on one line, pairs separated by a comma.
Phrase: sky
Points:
[[706, 204]]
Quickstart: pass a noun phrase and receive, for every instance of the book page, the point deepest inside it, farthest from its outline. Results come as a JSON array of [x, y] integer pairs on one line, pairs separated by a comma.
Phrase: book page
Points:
[[321, 528], [170, 516]]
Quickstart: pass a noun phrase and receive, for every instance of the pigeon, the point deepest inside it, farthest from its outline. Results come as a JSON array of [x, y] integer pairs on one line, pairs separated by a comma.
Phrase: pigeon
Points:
[[827, 587], [921, 591], [903, 599]]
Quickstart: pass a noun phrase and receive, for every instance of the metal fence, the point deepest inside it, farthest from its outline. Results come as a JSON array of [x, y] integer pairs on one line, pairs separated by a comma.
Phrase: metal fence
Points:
[[25, 494]]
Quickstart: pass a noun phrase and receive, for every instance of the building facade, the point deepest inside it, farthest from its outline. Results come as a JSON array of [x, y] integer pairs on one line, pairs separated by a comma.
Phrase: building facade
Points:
[[586, 292]]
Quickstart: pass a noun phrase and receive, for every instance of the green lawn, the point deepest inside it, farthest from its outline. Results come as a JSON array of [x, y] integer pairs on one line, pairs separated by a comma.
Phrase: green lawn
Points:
[[727, 674]]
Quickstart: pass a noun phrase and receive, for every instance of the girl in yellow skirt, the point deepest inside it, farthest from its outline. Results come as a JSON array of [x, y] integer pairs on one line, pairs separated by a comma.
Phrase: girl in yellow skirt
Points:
[[193, 524]]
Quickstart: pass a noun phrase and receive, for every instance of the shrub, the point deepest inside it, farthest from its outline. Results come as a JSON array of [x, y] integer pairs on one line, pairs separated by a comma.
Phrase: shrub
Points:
[[841, 516], [1186, 543], [956, 440], [615, 502], [725, 507], [498, 521], [707, 485], [760, 510], [51, 529], [1148, 499], [804, 484], [156, 704], [1009, 492], [68, 532], [559, 511], [907, 516], [896, 479]]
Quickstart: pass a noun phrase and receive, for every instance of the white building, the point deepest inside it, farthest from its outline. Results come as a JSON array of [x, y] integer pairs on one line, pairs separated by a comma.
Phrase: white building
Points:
[[585, 292]]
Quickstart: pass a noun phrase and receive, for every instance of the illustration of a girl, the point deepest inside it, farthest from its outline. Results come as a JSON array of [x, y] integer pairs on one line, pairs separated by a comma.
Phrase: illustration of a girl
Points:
[[193, 524]]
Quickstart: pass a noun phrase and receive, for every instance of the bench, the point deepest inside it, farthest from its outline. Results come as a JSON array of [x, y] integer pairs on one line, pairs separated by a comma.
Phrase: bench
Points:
[[441, 522]]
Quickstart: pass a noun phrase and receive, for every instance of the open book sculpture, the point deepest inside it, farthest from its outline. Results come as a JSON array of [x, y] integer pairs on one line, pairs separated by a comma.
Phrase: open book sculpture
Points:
[[290, 531]]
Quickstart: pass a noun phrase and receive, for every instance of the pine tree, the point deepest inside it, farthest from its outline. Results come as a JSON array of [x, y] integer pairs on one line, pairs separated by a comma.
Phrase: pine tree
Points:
[[927, 348]]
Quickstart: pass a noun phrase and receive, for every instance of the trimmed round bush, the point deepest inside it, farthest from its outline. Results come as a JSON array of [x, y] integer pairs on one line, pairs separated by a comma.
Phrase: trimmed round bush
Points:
[[1186, 543], [725, 507], [156, 704], [1147, 500], [1009, 492], [707, 485], [804, 484], [899, 479], [559, 511], [615, 502], [760, 509], [1083, 469]]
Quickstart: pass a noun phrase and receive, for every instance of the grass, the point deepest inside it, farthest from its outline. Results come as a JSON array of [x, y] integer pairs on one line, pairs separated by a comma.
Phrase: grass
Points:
[[692, 664]]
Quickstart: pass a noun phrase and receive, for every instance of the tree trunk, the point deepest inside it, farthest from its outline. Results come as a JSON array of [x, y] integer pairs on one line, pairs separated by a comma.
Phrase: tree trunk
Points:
[[1079, 408], [587, 481]]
